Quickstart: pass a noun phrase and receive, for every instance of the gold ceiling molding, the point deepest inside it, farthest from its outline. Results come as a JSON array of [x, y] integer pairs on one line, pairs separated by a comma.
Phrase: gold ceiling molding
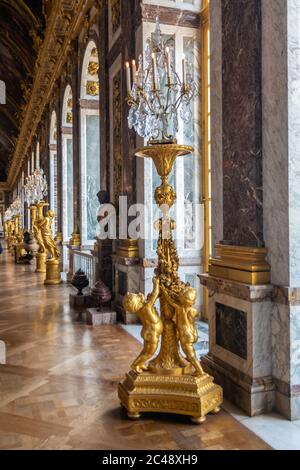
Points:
[[63, 26]]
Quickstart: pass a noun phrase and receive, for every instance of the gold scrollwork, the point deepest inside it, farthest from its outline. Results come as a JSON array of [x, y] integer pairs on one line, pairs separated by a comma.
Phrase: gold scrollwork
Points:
[[93, 68], [115, 15]]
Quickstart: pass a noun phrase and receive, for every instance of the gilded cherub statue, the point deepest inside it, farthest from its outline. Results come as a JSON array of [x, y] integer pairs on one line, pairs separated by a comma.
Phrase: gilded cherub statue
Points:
[[45, 227], [185, 316], [152, 323]]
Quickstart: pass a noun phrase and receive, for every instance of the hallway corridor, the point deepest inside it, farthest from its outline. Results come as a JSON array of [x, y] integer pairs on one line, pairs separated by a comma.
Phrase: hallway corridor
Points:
[[58, 388]]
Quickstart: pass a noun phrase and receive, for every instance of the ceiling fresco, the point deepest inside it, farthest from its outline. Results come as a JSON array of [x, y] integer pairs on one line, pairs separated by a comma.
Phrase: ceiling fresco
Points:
[[21, 30]]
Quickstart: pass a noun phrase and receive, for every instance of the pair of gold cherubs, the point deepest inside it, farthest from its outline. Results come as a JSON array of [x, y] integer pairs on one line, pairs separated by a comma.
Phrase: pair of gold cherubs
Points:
[[185, 315]]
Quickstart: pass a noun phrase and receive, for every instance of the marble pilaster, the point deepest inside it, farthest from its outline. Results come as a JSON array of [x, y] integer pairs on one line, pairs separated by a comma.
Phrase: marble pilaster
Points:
[[240, 312], [241, 123], [281, 148], [215, 22], [240, 342]]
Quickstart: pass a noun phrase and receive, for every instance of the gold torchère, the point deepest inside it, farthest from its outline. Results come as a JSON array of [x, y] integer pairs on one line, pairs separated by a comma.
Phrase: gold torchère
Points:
[[13, 236], [169, 383], [18, 247], [8, 234], [37, 215], [53, 276]]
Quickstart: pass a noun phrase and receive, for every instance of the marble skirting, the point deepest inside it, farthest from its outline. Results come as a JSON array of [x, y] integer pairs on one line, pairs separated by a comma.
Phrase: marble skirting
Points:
[[253, 395], [240, 342], [278, 294], [254, 334]]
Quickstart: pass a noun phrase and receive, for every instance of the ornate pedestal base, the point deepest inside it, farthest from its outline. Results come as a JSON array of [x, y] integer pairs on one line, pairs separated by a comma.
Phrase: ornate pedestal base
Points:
[[53, 272], [19, 251], [95, 317], [80, 301], [41, 259], [240, 342], [183, 394]]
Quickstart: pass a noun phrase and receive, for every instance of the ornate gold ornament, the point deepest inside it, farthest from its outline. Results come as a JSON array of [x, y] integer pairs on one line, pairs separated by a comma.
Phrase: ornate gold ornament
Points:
[[69, 117], [93, 68], [115, 15], [117, 152], [170, 382], [94, 52], [92, 88]]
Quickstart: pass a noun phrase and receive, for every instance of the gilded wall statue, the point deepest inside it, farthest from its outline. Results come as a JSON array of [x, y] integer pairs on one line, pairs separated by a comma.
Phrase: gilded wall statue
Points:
[[46, 232], [38, 235]]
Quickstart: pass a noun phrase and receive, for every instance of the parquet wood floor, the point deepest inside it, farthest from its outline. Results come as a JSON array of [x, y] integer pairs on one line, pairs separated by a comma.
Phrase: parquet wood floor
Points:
[[58, 388]]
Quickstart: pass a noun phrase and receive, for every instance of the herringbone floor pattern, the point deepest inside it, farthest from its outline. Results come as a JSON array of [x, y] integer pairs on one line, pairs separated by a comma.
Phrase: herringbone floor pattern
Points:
[[58, 388]]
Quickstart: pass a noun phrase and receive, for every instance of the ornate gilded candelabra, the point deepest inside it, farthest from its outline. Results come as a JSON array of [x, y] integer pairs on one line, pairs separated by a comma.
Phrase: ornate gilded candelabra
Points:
[[13, 229], [8, 227], [36, 189], [171, 382]]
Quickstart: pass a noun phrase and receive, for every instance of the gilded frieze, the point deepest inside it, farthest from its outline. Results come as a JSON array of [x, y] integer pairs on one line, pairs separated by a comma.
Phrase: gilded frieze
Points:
[[117, 120], [115, 15]]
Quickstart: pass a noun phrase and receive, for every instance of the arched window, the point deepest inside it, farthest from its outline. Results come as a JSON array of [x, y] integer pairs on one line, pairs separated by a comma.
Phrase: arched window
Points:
[[53, 167], [90, 143], [67, 164]]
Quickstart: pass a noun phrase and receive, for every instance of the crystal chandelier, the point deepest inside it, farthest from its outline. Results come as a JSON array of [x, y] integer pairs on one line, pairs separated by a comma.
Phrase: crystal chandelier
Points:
[[158, 92], [8, 215], [36, 187], [13, 210]]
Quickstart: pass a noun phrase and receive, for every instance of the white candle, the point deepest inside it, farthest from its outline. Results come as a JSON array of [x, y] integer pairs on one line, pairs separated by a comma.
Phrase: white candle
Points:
[[168, 65], [38, 156], [32, 161], [183, 70], [154, 69], [128, 78], [133, 71]]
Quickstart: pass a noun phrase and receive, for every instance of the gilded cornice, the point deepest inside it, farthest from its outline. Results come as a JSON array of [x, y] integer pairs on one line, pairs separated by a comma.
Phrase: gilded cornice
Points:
[[63, 25]]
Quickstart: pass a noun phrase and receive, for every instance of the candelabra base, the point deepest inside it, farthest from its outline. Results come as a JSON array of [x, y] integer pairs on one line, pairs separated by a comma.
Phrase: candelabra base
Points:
[[41, 259], [53, 272], [179, 394], [19, 252]]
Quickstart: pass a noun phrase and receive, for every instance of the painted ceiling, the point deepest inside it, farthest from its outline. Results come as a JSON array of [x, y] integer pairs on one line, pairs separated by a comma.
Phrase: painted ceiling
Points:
[[21, 28]]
